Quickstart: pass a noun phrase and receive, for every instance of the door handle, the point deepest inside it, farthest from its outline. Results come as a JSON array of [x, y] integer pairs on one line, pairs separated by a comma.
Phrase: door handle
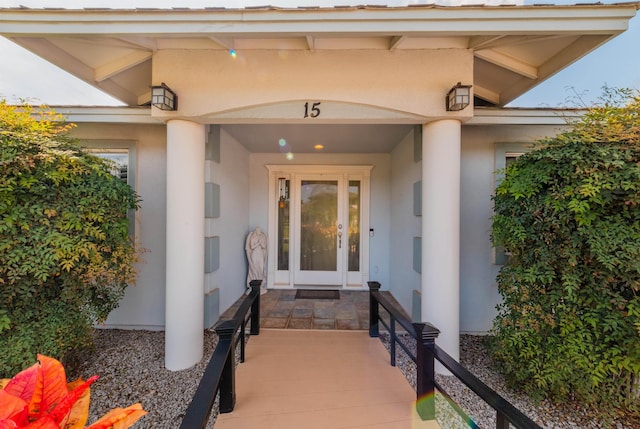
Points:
[[339, 239]]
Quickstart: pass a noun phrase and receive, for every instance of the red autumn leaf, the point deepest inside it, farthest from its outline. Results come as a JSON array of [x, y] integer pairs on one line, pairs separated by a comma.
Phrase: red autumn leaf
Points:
[[12, 408], [42, 386], [45, 422], [39, 398], [119, 418], [7, 424], [63, 407], [54, 384], [23, 383], [79, 414]]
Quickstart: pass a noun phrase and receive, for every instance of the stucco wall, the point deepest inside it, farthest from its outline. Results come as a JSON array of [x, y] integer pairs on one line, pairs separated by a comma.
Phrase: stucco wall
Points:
[[232, 174], [404, 224], [211, 82], [143, 304], [380, 208], [478, 291]]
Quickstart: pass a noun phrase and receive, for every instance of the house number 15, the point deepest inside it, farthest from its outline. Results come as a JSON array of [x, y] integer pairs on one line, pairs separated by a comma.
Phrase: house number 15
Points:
[[312, 110]]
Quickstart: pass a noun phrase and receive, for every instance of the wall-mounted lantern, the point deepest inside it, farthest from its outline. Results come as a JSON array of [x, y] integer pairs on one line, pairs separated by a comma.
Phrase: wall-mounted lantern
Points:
[[458, 97], [164, 98]]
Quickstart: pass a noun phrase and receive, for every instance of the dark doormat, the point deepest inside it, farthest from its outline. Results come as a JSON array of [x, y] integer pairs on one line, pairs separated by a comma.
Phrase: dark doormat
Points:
[[317, 294]]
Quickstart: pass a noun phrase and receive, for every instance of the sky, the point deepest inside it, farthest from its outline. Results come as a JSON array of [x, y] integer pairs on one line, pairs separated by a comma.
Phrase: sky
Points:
[[26, 77]]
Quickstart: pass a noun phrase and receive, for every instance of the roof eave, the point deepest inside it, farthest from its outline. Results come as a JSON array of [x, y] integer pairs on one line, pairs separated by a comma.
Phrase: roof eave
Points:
[[361, 20]]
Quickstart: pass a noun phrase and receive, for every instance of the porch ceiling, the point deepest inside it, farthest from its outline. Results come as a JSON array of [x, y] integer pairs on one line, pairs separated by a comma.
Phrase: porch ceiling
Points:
[[515, 48], [335, 138]]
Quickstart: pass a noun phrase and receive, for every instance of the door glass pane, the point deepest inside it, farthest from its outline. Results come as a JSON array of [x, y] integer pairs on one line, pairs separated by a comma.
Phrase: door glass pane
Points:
[[283, 224], [354, 225], [318, 225]]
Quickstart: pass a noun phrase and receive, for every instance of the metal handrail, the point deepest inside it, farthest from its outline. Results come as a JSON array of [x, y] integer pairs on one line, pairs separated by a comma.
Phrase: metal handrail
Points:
[[219, 375], [245, 316], [426, 354], [506, 412]]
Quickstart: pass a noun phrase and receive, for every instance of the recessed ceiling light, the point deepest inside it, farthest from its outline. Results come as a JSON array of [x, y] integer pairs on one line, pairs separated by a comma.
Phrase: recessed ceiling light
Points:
[[318, 147]]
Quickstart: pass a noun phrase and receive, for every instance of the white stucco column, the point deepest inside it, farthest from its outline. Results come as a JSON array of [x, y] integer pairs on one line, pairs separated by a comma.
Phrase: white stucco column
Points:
[[184, 308], [441, 231]]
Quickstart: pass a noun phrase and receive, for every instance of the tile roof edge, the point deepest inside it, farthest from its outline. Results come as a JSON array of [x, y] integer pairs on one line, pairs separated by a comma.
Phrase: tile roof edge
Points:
[[316, 8]]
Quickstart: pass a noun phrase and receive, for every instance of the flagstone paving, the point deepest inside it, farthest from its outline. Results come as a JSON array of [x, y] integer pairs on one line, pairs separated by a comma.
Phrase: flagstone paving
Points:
[[280, 309]]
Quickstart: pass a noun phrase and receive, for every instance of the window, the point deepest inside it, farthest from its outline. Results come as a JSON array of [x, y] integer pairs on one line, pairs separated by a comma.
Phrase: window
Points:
[[506, 154], [354, 225], [122, 153], [120, 157], [283, 213]]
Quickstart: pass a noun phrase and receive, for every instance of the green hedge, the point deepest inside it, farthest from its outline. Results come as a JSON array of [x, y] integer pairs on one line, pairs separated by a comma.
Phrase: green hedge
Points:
[[569, 214], [65, 252]]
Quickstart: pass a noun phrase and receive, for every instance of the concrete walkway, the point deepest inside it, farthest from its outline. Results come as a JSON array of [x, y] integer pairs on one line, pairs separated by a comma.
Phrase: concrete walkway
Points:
[[311, 379]]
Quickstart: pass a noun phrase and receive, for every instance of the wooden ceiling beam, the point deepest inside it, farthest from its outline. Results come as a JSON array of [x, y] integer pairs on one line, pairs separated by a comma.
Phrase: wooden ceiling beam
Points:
[[120, 65], [508, 62]]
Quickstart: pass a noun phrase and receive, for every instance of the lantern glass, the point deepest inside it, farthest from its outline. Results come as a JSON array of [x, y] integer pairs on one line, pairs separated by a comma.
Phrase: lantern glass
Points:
[[163, 98], [458, 97]]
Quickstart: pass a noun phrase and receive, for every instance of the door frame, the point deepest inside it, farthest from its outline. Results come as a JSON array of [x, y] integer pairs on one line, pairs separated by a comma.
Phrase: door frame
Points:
[[279, 279]]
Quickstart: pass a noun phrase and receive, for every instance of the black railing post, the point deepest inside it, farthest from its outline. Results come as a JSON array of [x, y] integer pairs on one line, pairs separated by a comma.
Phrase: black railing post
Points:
[[373, 309], [226, 331], [501, 421], [426, 335], [392, 347], [243, 327], [255, 307]]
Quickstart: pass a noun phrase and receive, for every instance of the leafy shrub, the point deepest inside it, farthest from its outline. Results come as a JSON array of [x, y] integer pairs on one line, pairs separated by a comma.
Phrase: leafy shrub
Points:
[[65, 253], [58, 328], [569, 213]]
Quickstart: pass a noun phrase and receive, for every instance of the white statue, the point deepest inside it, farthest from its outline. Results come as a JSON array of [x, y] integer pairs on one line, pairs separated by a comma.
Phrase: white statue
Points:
[[256, 248]]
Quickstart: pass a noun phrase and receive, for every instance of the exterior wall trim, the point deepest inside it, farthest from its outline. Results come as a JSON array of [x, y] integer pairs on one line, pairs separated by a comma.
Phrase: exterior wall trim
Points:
[[481, 116], [110, 115], [516, 116]]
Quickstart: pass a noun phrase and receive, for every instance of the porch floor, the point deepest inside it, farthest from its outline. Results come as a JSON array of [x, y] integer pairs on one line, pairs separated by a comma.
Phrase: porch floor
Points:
[[322, 379], [280, 309]]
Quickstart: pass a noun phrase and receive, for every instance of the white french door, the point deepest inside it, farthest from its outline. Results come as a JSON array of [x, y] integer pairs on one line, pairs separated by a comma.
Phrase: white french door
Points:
[[319, 230], [317, 218]]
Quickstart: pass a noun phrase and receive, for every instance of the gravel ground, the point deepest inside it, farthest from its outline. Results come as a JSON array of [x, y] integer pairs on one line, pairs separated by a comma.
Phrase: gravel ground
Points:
[[475, 358], [130, 365], [131, 369]]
